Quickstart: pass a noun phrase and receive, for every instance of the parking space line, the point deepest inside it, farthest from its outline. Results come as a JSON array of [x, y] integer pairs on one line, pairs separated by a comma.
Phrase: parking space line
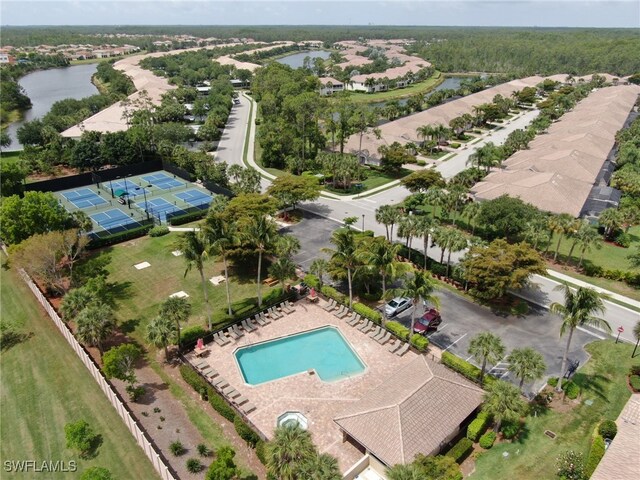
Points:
[[468, 358], [585, 330], [438, 330], [455, 342]]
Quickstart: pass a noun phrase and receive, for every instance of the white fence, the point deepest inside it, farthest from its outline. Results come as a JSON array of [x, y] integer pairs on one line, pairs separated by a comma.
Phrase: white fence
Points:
[[146, 445]]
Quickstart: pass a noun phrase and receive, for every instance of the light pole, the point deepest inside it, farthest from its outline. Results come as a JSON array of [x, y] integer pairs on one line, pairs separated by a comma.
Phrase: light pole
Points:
[[144, 192], [111, 188], [363, 222]]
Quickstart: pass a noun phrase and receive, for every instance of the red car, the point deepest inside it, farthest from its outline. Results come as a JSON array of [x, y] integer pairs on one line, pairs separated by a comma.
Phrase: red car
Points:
[[429, 321]]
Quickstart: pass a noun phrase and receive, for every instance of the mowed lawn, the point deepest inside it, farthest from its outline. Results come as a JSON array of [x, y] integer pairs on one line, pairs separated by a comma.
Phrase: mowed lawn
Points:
[[140, 292], [45, 386], [533, 456]]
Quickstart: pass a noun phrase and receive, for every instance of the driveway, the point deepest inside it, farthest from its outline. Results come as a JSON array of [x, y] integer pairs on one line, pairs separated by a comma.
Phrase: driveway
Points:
[[314, 233], [538, 329]]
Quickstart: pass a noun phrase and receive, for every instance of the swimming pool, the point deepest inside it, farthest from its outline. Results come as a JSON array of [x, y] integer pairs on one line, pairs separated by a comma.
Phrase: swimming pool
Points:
[[324, 350]]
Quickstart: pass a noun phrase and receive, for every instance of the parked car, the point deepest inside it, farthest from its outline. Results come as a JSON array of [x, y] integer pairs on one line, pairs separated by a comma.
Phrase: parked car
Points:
[[397, 305], [428, 322], [236, 101]]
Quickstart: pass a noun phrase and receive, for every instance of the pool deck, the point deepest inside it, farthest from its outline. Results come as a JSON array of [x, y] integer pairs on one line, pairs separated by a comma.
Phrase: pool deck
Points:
[[319, 401]]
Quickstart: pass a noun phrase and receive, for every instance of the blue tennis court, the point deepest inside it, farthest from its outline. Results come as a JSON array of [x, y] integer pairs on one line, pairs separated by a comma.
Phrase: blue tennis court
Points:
[[195, 197], [132, 189], [84, 198], [159, 208], [162, 181], [114, 220]]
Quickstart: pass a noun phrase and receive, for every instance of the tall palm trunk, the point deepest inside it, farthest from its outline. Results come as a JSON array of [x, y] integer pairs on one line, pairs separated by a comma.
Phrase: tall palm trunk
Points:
[[226, 281], [448, 262], [564, 361], [166, 352], [571, 251], [555, 255], [581, 257], [444, 248], [350, 288], [426, 248], [391, 237], [484, 365], [386, 227], [384, 286], [259, 284], [206, 296], [413, 319]]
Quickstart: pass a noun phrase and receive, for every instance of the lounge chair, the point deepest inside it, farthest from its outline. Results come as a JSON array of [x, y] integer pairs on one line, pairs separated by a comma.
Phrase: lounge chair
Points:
[[230, 392], [274, 313], [354, 321], [259, 321], [247, 326], [200, 364], [237, 330], [240, 400], [330, 306], [232, 333], [375, 332], [264, 318], [344, 313], [220, 339], [380, 335], [384, 339], [340, 311], [285, 308], [219, 383], [366, 326], [402, 350], [212, 373], [247, 408], [395, 346], [290, 305]]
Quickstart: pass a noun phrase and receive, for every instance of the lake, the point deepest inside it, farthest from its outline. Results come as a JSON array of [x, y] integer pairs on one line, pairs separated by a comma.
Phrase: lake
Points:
[[296, 60], [450, 83], [46, 87]]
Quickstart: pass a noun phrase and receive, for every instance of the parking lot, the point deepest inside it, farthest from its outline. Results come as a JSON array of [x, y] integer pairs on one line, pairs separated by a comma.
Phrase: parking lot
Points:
[[463, 319]]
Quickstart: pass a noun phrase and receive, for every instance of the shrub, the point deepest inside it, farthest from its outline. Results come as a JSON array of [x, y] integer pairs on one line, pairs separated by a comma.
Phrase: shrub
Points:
[[203, 450], [177, 448], [571, 390], [465, 368], [261, 448], [596, 452], [608, 429], [454, 145], [553, 381], [421, 163], [331, 292], [194, 465], [245, 432], [460, 450], [478, 426], [634, 380], [119, 237], [79, 436], [135, 392], [192, 377], [372, 297], [510, 429], [634, 370], [274, 296], [220, 405], [312, 280], [570, 466], [486, 440], [187, 217], [624, 240], [419, 342], [96, 473], [159, 231], [398, 330], [367, 312], [191, 335]]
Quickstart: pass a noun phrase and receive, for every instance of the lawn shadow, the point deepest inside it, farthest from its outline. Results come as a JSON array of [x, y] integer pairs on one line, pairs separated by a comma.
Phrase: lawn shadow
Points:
[[129, 326], [594, 383], [249, 476], [10, 339], [95, 444]]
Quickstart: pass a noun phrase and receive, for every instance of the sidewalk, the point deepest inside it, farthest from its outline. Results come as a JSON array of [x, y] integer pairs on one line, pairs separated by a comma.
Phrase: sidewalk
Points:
[[574, 281]]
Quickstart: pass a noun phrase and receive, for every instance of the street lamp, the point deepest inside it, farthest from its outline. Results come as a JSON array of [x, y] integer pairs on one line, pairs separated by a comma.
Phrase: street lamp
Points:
[[144, 192]]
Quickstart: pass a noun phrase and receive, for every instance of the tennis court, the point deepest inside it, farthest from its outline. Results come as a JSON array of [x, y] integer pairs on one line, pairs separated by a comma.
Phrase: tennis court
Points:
[[84, 198], [195, 197], [162, 180], [114, 220], [160, 208], [127, 186]]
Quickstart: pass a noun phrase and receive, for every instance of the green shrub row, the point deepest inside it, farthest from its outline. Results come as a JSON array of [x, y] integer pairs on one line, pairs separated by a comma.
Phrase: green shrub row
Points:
[[246, 432], [312, 280], [261, 451], [478, 426], [596, 452], [420, 342], [465, 368], [373, 296], [274, 296], [367, 312], [398, 330], [220, 405], [119, 237], [159, 231], [333, 294], [204, 389], [631, 278], [608, 429], [486, 440], [191, 334], [192, 377], [460, 450], [187, 217]]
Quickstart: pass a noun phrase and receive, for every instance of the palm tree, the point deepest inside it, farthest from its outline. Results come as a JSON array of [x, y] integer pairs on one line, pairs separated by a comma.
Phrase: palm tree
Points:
[[588, 238], [318, 267], [424, 132], [424, 228], [503, 402], [177, 310], [526, 364], [75, 301], [420, 287], [487, 156], [94, 325], [290, 448], [457, 242], [344, 256], [261, 232], [287, 246], [160, 332], [381, 255], [407, 228], [405, 472], [434, 197], [486, 347], [320, 467], [472, 211], [579, 309], [196, 248], [282, 270], [536, 232], [561, 225], [636, 334], [388, 215], [611, 220], [223, 237]]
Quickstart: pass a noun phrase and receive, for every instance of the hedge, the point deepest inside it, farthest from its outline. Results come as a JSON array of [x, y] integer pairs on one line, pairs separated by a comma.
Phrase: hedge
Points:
[[202, 387], [245, 432], [608, 429], [367, 312], [596, 452], [486, 440], [261, 453], [465, 368], [273, 296], [420, 342], [159, 231], [312, 280], [478, 426], [187, 217], [119, 237], [398, 330], [192, 377], [220, 405], [331, 292], [460, 450], [191, 334]]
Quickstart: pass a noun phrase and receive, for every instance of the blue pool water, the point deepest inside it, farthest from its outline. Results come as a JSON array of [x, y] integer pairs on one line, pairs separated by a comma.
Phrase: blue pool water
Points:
[[325, 350]]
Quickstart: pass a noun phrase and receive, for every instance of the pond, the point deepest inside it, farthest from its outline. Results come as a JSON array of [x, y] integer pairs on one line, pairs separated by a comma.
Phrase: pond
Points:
[[296, 60], [46, 87]]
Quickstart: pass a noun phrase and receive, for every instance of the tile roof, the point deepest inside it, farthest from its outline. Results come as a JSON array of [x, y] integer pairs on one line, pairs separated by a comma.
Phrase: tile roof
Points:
[[413, 411]]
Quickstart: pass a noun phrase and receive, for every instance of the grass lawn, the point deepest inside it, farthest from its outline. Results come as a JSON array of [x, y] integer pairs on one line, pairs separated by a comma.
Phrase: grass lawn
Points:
[[12, 116], [7, 157], [417, 88], [620, 288], [140, 292], [602, 380], [375, 178], [44, 387]]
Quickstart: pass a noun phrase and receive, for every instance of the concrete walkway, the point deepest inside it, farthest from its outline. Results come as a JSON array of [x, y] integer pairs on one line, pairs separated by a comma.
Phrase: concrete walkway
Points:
[[574, 281]]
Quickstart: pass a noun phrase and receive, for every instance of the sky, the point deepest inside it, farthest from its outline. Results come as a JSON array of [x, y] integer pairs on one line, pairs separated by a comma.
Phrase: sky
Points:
[[540, 13]]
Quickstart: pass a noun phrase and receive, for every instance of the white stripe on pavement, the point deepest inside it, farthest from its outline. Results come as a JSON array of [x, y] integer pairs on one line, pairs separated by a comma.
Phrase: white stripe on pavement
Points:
[[455, 342]]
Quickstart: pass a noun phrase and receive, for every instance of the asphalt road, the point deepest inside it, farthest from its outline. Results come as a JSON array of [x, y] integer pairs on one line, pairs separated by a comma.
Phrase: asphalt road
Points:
[[314, 233], [230, 147]]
